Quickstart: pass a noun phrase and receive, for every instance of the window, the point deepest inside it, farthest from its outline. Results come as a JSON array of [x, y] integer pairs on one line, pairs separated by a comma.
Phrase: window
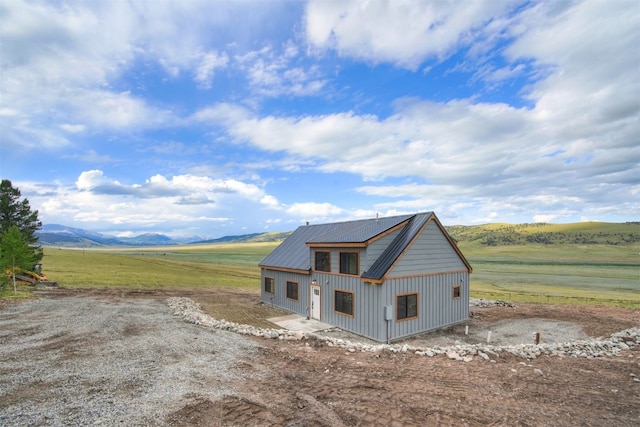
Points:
[[456, 292], [349, 263], [268, 285], [407, 306], [344, 302], [323, 261], [292, 290]]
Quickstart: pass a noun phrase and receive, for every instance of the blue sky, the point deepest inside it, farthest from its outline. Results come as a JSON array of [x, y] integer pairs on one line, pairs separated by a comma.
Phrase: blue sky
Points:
[[213, 118]]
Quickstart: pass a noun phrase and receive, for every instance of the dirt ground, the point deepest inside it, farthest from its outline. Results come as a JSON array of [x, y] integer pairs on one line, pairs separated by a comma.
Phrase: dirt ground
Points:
[[310, 384]]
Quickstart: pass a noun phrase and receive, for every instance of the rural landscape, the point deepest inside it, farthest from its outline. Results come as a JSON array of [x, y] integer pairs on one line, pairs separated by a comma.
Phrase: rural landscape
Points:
[[314, 213], [562, 263], [581, 280]]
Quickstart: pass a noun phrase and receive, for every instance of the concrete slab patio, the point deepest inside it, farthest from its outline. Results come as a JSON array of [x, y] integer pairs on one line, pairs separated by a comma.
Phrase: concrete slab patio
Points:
[[297, 323]]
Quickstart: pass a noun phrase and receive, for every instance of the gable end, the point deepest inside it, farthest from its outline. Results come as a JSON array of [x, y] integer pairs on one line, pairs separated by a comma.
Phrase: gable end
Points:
[[380, 269]]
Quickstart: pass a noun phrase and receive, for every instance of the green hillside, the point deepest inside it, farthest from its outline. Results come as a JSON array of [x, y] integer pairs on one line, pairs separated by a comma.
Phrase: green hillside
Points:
[[581, 233], [581, 263], [590, 262], [273, 236]]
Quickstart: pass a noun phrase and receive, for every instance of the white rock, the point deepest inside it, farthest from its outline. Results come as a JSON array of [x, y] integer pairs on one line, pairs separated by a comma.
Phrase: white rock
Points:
[[590, 348]]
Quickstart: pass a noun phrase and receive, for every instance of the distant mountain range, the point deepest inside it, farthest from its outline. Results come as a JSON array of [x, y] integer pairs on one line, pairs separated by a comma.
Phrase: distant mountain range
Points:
[[63, 236]]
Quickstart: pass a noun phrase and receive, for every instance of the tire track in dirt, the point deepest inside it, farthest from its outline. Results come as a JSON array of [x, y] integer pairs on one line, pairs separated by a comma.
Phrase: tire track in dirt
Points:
[[324, 386], [310, 384]]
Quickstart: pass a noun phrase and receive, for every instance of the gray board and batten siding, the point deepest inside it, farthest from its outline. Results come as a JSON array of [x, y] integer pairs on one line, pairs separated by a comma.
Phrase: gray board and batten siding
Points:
[[397, 256]]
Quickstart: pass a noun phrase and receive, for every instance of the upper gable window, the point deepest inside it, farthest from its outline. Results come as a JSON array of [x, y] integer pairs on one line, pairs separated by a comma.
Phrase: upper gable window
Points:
[[323, 261], [349, 263]]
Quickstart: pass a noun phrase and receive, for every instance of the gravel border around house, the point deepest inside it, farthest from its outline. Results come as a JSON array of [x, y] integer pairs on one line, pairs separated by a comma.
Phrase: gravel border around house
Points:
[[613, 345]]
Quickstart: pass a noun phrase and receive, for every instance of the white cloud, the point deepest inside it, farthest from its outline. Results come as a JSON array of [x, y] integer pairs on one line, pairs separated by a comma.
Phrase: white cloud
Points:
[[484, 152], [574, 148], [178, 202], [91, 179], [207, 64], [493, 76], [405, 33], [55, 62], [62, 62], [269, 200], [195, 199], [116, 111], [315, 212], [588, 52], [70, 73], [92, 156], [9, 112], [182, 187], [73, 128], [422, 139], [55, 44], [272, 73]]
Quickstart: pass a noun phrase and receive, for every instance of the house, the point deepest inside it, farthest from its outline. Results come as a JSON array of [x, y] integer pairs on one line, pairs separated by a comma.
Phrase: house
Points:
[[382, 278]]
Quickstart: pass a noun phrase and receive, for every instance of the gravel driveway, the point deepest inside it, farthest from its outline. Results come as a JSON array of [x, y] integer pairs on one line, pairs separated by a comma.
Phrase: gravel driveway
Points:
[[89, 361]]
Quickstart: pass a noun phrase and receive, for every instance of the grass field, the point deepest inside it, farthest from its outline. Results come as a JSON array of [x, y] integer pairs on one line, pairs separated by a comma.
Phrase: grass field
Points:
[[592, 274], [228, 265]]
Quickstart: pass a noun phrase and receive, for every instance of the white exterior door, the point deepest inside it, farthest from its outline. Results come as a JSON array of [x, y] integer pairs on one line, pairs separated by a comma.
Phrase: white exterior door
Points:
[[315, 302]]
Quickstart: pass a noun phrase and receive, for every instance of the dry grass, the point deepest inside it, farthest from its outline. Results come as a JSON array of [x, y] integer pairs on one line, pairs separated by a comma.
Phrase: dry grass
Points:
[[561, 274]]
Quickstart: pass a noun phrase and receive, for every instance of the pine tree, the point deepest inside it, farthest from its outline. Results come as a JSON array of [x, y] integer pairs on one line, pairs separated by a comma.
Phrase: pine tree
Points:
[[15, 253], [16, 211]]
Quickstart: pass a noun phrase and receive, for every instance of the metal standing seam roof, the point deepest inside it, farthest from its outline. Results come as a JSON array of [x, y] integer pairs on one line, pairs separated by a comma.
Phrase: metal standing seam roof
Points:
[[380, 266], [293, 253], [359, 231]]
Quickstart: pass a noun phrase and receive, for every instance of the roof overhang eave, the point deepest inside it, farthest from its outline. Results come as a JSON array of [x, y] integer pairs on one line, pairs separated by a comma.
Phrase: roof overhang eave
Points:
[[372, 281], [286, 269], [337, 245]]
